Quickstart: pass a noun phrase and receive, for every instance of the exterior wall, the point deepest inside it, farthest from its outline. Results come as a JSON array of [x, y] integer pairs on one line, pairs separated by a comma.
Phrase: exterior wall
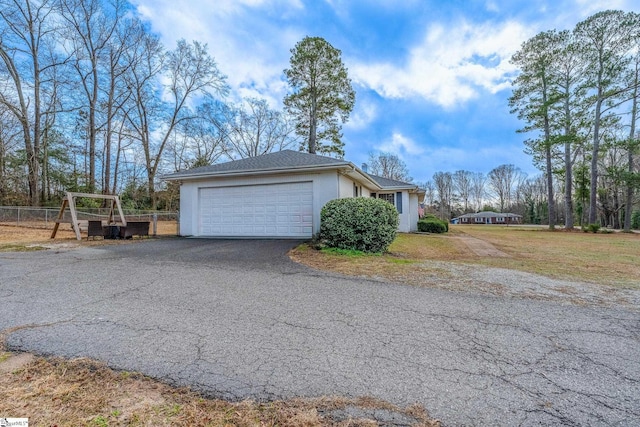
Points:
[[324, 189], [405, 225], [413, 212], [345, 188], [326, 186]]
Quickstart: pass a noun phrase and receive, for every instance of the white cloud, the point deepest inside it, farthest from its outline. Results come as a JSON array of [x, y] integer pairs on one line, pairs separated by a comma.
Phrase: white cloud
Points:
[[573, 11], [234, 31], [589, 7], [401, 146], [451, 65], [363, 115], [492, 6]]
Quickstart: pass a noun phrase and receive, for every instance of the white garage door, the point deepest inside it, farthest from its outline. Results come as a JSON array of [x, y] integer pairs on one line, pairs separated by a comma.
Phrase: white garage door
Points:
[[272, 210]]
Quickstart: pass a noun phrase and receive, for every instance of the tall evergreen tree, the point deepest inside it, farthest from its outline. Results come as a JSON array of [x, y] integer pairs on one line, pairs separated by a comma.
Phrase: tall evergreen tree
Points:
[[533, 97], [322, 95], [606, 38]]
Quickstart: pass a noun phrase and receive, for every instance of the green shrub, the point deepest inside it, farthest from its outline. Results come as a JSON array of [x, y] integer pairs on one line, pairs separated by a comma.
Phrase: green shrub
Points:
[[360, 223], [430, 225], [432, 217], [635, 220], [592, 228]]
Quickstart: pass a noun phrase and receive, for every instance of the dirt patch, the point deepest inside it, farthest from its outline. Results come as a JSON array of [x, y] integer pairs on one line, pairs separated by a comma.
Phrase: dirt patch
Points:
[[12, 362], [482, 248]]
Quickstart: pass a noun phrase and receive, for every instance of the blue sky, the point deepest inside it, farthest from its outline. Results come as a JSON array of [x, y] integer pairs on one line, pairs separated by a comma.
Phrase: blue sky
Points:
[[432, 78]]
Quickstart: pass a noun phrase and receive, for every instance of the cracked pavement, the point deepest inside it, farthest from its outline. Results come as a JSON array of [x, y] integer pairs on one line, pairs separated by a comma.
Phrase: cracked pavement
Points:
[[238, 319]]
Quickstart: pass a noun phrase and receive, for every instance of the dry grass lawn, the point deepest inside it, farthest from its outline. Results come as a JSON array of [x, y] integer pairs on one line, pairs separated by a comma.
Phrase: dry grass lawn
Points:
[[608, 259], [80, 392], [36, 235], [604, 259]]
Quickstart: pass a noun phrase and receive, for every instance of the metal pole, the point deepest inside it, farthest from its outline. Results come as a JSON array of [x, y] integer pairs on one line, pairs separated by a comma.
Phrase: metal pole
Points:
[[155, 224]]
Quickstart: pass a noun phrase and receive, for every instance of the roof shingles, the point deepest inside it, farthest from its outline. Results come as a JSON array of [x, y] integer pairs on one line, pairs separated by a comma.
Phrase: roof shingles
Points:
[[386, 182], [286, 159]]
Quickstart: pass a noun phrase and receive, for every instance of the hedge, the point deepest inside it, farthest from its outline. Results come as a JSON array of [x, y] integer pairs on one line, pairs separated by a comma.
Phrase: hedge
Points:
[[431, 225], [360, 223]]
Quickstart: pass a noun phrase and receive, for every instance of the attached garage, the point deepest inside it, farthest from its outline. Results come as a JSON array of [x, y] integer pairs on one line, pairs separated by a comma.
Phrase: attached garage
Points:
[[269, 210], [278, 195]]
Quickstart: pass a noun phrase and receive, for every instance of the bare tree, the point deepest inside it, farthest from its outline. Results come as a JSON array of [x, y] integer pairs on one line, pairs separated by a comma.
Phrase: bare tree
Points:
[[201, 141], [188, 71], [27, 57], [255, 129], [429, 193], [389, 166], [10, 132], [533, 199], [116, 92], [478, 184], [444, 186], [463, 183], [91, 25], [502, 180]]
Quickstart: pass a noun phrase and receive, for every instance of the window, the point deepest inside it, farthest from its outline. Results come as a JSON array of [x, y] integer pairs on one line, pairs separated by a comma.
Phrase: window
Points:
[[500, 219], [399, 201], [389, 197]]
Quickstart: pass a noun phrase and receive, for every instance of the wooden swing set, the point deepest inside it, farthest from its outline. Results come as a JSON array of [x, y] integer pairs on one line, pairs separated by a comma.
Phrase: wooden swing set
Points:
[[70, 201]]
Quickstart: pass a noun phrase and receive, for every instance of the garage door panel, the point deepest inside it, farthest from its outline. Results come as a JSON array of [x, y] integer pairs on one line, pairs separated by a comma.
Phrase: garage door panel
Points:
[[273, 210]]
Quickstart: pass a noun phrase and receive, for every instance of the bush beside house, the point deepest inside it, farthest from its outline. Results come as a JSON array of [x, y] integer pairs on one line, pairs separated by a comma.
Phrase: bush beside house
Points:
[[432, 225], [360, 223]]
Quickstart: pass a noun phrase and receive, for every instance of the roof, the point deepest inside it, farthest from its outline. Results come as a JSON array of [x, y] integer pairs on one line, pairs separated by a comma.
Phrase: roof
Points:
[[290, 161], [489, 214], [281, 160], [386, 182]]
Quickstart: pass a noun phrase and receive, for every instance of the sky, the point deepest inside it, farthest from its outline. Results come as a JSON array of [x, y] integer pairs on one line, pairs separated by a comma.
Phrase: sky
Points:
[[432, 77]]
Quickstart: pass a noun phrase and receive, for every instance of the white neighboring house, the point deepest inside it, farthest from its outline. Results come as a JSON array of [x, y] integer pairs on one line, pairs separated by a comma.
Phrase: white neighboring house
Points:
[[279, 195]]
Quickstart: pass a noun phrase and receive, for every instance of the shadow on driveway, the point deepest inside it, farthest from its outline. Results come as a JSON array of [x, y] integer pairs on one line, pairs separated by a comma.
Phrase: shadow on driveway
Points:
[[239, 253]]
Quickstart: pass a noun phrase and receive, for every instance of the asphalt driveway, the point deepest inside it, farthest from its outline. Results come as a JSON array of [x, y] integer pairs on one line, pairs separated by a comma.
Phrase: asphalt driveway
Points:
[[237, 319]]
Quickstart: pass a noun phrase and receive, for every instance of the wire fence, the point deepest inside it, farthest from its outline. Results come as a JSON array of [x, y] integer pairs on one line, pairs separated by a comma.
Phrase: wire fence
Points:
[[165, 222]]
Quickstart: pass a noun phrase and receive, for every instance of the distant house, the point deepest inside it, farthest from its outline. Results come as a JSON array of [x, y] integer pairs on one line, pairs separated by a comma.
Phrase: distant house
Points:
[[488, 218], [280, 195]]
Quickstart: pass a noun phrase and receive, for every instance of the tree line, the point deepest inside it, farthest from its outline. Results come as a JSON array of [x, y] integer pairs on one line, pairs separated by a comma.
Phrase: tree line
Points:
[[577, 93], [92, 101], [504, 189]]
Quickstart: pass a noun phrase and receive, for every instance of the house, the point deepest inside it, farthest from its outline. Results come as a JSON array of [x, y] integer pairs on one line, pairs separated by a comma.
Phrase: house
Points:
[[279, 195], [488, 218]]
